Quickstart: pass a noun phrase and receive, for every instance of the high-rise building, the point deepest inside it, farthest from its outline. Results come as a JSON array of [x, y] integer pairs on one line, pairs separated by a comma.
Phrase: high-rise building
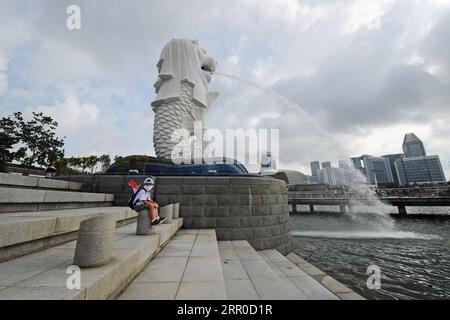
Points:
[[315, 168], [414, 167], [334, 176], [377, 170], [420, 170], [326, 164], [413, 146], [400, 170], [390, 165], [358, 164]]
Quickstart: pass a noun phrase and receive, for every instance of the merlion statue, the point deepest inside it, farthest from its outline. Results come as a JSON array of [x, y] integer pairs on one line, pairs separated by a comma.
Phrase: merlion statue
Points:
[[184, 71]]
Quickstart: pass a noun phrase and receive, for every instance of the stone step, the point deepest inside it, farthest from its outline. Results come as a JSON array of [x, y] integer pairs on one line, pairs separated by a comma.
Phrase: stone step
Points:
[[342, 291], [19, 181], [296, 278], [188, 268], [23, 199], [249, 277], [25, 232], [43, 275]]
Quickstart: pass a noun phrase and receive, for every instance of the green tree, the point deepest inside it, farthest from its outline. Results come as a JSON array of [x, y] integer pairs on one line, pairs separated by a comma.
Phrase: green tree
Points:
[[61, 166], [6, 143], [38, 141], [82, 163], [69, 166], [8, 138], [72, 162], [91, 162], [105, 161]]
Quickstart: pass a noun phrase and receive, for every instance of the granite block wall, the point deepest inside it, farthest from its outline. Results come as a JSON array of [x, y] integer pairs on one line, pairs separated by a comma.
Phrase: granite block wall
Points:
[[248, 208]]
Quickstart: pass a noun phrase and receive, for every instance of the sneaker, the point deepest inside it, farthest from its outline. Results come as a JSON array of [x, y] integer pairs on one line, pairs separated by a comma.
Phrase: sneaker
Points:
[[161, 220], [154, 223]]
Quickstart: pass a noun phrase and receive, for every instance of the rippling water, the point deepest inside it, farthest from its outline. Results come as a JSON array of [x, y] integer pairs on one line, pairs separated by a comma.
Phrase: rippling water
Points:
[[413, 254]]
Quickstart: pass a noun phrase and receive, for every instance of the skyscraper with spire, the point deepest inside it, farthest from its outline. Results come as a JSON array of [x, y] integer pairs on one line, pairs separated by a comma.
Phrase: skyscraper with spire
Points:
[[413, 146], [416, 167]]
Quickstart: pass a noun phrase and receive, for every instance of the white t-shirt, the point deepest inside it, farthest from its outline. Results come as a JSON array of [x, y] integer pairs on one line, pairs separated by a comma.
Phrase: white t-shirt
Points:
[[142, 196]]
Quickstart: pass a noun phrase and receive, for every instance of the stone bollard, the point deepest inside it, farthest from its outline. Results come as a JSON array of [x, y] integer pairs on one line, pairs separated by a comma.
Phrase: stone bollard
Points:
[[143, 223], [176, 211], [166, 212], [94, 243]]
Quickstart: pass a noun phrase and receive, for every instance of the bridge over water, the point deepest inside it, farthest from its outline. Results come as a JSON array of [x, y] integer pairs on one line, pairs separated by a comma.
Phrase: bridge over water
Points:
[[345, 199]]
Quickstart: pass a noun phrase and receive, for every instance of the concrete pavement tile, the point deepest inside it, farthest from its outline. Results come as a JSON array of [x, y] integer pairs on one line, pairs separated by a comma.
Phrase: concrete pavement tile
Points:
[[150, 291], [202, 291]]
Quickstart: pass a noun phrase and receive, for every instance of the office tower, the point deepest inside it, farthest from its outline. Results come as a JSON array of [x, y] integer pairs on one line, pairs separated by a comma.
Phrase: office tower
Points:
[[420, 170], [315, 168], [390, 165], [413, 146], [326, 164]]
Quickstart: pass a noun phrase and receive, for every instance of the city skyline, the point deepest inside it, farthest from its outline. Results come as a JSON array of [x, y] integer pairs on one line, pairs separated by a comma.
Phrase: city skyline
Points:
[[411, 167]]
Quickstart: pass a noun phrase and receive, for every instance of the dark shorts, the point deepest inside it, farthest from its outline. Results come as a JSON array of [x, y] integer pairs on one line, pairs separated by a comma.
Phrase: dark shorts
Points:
[[141, 207]]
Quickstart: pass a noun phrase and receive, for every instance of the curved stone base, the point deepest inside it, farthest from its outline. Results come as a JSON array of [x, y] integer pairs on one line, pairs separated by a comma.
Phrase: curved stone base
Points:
[[239, 208], [248, 208]]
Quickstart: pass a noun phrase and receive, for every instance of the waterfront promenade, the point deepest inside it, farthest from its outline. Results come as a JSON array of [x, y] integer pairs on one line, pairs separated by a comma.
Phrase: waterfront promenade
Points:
[[39, 236], [196, 266]]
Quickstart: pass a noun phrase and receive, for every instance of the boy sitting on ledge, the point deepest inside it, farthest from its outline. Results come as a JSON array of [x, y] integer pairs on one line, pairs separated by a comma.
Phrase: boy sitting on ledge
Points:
[[143, 200]]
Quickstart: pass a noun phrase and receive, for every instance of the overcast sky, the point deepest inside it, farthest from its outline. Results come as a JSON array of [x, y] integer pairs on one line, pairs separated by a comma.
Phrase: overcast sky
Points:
[[358, 74]]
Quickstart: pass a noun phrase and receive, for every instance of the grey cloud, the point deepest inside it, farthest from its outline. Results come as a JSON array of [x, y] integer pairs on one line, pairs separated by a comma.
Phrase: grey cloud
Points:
[[436, 47], [367, 86]]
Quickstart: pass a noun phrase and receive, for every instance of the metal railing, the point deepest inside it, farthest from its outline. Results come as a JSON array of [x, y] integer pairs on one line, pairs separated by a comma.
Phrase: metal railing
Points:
[[397, 193]]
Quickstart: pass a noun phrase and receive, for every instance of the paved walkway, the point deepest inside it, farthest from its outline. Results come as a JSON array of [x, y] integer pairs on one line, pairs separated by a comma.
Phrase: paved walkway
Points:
[[266, 275], [195, 266], [188, 268], [43, 274]]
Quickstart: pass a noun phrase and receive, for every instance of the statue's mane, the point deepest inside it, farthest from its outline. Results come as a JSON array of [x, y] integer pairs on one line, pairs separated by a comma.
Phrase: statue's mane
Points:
[[181, 59]]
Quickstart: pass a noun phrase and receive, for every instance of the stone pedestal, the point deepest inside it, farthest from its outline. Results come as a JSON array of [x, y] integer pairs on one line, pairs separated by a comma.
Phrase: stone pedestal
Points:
[[251, 208], [94, 244], [176, 211], [143, 223], [166, 212]]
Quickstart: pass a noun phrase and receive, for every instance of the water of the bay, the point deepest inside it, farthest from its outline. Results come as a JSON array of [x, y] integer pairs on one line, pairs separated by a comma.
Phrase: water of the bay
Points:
[[414, 257]]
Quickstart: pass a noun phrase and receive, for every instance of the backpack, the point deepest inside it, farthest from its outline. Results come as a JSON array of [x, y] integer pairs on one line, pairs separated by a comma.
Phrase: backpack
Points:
[[132, 202]]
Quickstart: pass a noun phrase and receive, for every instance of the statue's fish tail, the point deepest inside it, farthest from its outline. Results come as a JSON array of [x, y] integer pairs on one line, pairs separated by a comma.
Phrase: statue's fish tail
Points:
[[168, 119]]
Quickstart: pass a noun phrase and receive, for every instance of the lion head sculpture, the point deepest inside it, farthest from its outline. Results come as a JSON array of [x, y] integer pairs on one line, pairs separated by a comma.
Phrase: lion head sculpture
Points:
[[184, 60]]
